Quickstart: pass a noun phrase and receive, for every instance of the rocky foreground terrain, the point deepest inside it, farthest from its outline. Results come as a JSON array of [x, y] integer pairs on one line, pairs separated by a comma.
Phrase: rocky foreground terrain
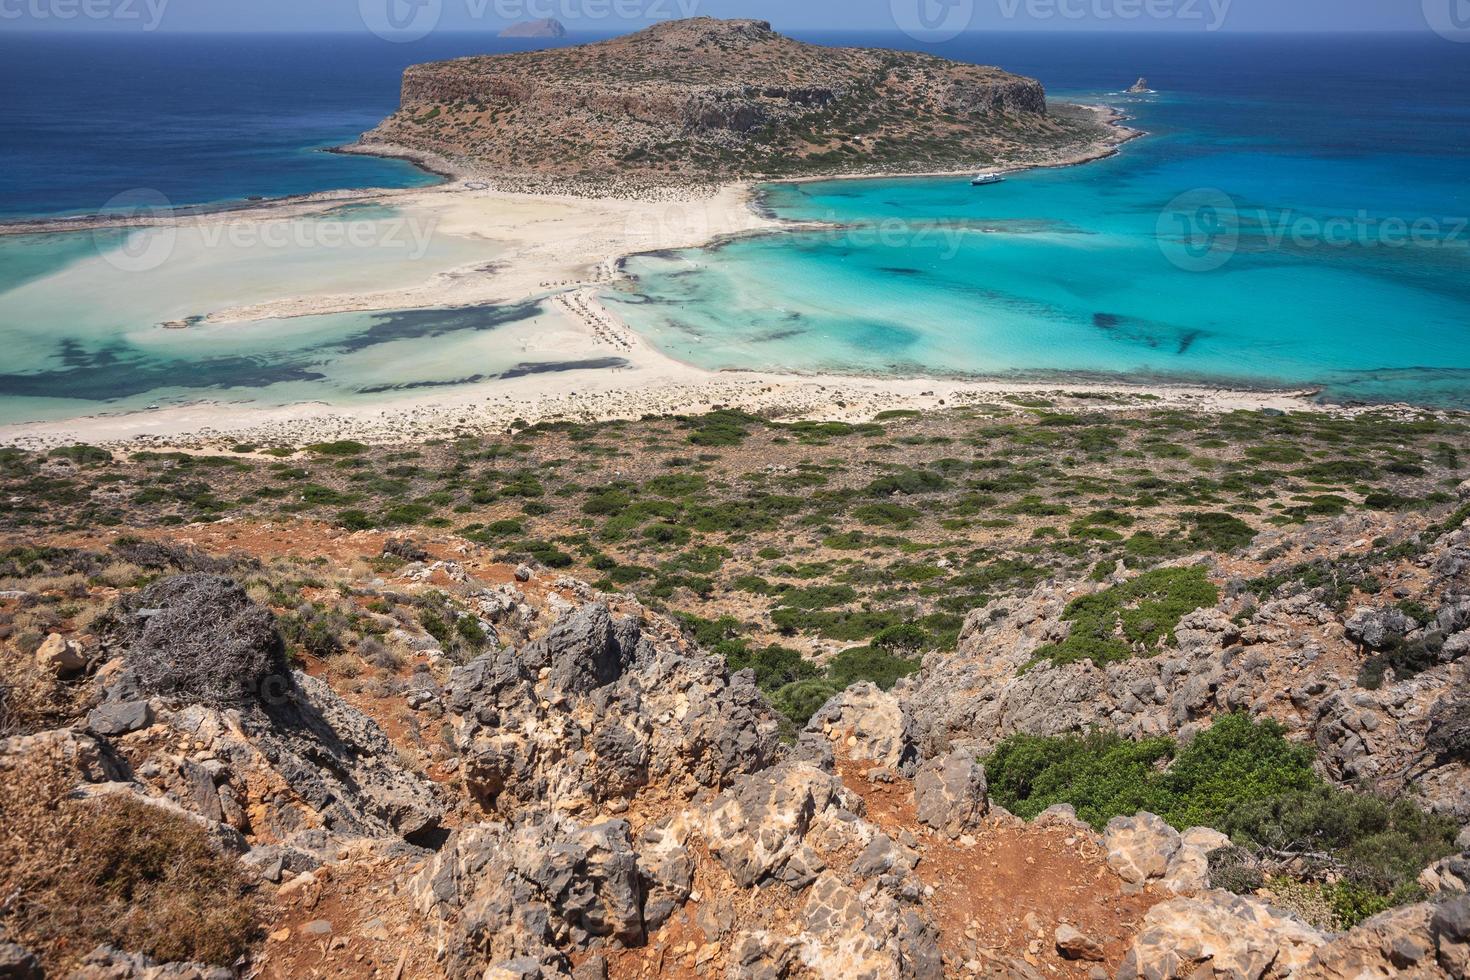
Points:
[[707, 101], [1205, 713]]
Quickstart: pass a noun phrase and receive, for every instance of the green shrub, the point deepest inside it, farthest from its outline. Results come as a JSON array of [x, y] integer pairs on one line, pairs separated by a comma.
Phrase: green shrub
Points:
[[886, 514], [774, 666], [723, 427], [1102, 775], [1032, 506], [342, 447], [82, 454], [1132, 619], [607, 502], [905, 636], [354, 520], [320, 496], [1244, 779], [407, 514], [868, 664], [907, 482], [800, 700], [1219, 532]]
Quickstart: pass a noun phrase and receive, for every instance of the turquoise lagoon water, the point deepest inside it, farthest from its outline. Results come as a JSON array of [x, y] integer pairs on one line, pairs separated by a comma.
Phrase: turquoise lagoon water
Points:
[[1259, 235], [83, 327]]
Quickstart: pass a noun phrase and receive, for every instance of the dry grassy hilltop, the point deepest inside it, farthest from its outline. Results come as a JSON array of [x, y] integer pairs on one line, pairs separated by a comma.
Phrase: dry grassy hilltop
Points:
[[707, 99]]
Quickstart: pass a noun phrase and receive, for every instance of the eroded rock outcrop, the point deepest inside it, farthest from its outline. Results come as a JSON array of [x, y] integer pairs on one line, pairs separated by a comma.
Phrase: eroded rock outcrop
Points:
[[1217, 934], [597, 718], [593, 712], [1291, 658]]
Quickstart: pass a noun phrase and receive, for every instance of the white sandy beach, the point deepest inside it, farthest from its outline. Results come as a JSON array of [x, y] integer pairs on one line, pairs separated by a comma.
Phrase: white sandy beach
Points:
[[564, 248]]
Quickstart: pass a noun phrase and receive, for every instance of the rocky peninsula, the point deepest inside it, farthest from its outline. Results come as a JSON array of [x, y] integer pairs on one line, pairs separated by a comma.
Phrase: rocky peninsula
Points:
[[710, 101]]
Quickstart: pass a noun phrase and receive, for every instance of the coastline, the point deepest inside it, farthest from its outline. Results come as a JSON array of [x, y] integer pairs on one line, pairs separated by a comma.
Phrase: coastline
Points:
[[559, 250], [653, 385]]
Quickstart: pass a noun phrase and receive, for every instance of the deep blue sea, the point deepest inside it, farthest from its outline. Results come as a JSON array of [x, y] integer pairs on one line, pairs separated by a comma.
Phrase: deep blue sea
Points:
[[200, 118], [1295, 215]]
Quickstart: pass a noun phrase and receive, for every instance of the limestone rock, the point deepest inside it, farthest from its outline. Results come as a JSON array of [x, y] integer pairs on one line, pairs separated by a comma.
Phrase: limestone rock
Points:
[[1217, 934], [950, 793], [336, 759], [848, 934], [60, 657], [1140, 847], [19, 963], [1061, 815], [1449, 875], [755, 828], [667, 869], [1378, 628], [1396, 943], [532, 892], [1450, 927], [594, 711], [92, 759], [1189, 868], [1073, 944], [120, 717], [107, 963], [868, 724]]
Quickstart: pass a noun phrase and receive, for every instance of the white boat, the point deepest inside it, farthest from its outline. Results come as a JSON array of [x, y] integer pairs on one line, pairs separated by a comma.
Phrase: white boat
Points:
[[991, 178]]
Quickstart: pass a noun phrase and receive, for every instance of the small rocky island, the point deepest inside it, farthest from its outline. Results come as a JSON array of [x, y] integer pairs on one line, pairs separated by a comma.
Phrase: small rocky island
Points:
[[706, 100], [1140, 87], [544, 28]]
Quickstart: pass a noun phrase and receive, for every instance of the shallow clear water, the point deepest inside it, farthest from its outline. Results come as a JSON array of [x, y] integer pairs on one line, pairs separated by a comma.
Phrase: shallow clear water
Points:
[[1291, 219], [84, 327]]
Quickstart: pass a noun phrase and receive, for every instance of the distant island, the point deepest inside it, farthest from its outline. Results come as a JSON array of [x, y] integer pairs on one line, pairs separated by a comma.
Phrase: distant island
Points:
[[709, 101], [1140, 87], [545, 27]]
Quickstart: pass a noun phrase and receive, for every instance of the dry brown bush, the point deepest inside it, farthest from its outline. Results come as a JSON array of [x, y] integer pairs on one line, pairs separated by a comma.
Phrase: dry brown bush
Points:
[[78, 873], [30, 700]]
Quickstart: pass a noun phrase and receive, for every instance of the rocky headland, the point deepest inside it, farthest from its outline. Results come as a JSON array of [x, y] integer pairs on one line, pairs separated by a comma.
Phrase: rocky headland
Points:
[[706, 101]]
